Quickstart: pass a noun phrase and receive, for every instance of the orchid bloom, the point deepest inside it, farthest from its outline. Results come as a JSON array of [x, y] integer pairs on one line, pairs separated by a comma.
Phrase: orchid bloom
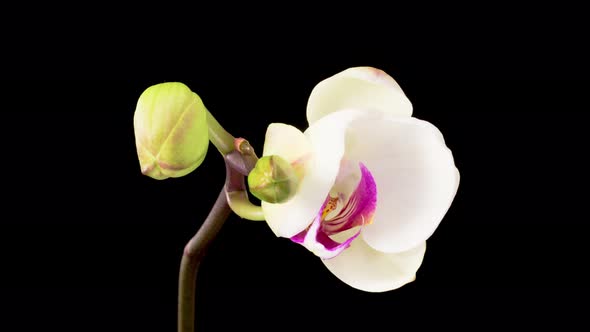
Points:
[[374, 182]]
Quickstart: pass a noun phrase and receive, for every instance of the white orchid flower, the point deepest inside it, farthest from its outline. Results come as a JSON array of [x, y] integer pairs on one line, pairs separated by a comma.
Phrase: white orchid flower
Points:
[[375, 182]]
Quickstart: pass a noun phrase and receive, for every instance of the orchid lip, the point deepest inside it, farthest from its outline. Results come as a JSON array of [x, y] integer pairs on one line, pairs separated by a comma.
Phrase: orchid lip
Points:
[[338, 215]]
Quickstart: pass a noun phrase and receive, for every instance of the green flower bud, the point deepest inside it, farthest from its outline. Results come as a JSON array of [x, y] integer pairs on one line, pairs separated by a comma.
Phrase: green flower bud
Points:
[[273, 180], [171, 133]]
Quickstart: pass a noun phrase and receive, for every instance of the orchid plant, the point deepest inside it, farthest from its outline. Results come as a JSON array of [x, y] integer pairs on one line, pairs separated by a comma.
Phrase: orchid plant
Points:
[[362, 188]]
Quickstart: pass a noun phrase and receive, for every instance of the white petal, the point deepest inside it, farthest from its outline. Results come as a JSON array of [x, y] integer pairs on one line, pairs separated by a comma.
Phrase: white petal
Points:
[[327, 139], [367, 269], [285, 141], [358, 88], [415, 174]]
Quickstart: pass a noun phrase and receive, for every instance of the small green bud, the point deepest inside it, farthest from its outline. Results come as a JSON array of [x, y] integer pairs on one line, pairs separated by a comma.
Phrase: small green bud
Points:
[[171, 133], [273, 180]]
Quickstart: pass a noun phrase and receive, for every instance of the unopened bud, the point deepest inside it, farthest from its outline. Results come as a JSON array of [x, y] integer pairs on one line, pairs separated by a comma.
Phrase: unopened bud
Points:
[[273, 180], [171, 133]]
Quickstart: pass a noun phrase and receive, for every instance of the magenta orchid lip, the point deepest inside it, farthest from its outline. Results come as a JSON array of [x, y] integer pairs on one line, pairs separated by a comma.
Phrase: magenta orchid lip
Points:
[[350, 212]]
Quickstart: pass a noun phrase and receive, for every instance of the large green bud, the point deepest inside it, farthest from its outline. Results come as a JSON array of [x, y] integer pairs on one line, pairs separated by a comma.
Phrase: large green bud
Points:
[[273, 180], [171, 133]]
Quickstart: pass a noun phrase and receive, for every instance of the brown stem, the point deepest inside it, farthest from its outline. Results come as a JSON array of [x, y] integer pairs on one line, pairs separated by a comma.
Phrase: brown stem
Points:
[[236, 165], [191, 259]]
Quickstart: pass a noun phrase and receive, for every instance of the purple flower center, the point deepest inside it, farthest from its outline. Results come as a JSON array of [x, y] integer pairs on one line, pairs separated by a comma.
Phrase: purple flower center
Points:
[[339, 214]]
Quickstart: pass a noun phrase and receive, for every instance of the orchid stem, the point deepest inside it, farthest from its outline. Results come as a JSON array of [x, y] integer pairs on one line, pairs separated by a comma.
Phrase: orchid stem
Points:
[[194, 251], [223, 141], [241, 205], [236, 164]]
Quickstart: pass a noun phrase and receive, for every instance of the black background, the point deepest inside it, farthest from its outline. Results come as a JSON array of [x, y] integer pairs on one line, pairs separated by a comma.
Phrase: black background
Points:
[[88, 243]]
